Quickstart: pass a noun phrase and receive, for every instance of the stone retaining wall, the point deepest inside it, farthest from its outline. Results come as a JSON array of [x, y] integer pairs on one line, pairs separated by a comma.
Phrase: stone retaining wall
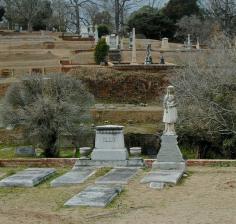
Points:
[[71, 161]]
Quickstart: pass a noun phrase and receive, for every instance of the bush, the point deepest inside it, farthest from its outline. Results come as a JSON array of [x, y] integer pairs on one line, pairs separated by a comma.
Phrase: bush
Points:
[[101, 51], [103, 30]]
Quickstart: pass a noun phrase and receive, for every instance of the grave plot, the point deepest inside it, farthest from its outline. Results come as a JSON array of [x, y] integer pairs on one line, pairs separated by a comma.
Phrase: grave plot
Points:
[[95, 196], [27, 178], [117, 176], [75, 176]]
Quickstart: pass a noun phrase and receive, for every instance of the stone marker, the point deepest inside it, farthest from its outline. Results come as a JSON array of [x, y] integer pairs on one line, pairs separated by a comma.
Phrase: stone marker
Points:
[[109, 143], [27, 178], [2, 175], [165, 43], [134, 56], [117, 176], [157, 185], [163, 176], [25, 151], [148, 58], [75, 176], [95, 196]]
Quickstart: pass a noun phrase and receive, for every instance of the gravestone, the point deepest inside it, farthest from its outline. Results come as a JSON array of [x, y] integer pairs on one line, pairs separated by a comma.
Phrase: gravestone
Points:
[[75, 176], [130, 40], [25, 151], [165, 43], [117, 176], [189, 43], [109, 144], [96, 34], [84, 32], [134, 56], [95, 196], [113, 41], [27, 178]]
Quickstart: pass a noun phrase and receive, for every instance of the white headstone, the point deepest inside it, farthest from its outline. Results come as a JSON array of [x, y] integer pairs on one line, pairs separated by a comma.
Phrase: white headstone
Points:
[[84, 32], [189, 44], [165, 43], [113, 41], [134, 59], [96, 35], [198, 45]]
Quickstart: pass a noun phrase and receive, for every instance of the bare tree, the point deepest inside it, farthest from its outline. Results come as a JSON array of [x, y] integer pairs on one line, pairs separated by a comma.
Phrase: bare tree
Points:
[[206, 90], [25, 9], [75, 8], [224, 11], [47, 107]]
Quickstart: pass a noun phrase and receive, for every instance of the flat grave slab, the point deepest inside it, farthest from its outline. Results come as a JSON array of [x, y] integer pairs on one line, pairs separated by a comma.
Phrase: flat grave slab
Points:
[[75, 176], [27, 178], [163, 176], [95, 196], [117, 176]]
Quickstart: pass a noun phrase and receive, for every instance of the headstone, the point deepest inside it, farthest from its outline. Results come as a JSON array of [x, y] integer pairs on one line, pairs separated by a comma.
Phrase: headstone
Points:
[[95, 196], [84, 32], [130, 40], [157, 185], [96, 35], [148, 59], [134, 59], [25, 151], [198, 45], [113, 41], [117, 176], [162, 60], [189, 43], [109, 144], [75, 176], [90, 29], [165, 43], [27, 178]]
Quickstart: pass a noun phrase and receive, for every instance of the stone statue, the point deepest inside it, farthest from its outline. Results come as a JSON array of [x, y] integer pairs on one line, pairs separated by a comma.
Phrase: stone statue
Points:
[[148, 59], [170, 112]]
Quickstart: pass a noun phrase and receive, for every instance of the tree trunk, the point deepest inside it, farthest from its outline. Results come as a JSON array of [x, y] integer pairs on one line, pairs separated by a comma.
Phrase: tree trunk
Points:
[[117, 16], [77, 15]]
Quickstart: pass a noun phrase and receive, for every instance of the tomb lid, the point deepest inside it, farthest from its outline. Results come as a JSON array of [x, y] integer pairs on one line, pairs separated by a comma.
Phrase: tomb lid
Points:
[[110, 127]]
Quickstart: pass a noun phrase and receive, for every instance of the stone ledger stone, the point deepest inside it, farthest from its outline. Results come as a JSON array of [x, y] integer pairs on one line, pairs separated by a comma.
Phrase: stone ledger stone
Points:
[[95, 196], [117, 176], [75, 176], [163, 176], [109, 144], [27, 178], [169, 156]]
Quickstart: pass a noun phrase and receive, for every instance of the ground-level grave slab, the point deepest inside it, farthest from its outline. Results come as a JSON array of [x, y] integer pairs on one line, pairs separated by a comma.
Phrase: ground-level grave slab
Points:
[[117, 176], [27, 178], [163, 176], [75, 176], [95, 196]]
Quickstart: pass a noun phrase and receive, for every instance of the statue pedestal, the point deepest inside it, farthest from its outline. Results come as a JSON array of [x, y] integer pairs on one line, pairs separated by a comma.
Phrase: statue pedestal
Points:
[[169, 156]]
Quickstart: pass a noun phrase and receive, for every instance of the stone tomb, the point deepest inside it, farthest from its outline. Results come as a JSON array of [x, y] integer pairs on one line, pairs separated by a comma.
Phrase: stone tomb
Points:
[[117, 176], [109, 144], [95, 196], [27, 178], [75, 176]]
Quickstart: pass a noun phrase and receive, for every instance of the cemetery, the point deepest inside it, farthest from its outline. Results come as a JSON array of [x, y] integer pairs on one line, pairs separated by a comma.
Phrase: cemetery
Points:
[[117, 112]]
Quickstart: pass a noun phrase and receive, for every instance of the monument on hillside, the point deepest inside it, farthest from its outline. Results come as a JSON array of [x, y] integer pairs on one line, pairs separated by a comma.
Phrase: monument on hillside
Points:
[[169, 156], [165, 43], [148, 59], [134, 59], [109, 143], [189, 43], [96, 37]]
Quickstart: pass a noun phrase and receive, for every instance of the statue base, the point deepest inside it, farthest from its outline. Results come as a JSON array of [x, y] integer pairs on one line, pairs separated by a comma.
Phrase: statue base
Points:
[[169, 156]]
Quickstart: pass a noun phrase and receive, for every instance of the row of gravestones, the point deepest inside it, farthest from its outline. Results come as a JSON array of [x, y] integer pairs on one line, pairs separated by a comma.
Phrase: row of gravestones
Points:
[[105, 189]]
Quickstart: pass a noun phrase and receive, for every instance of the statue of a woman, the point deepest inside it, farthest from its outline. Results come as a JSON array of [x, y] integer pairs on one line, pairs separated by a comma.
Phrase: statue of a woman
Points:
[[170, 111]]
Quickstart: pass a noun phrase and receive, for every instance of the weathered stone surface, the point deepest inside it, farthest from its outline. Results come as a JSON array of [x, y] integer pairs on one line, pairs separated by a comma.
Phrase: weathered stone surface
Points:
[[75, 176], [25, 151], [133, 162], [163, 176], [27, 178], [109, 143], [157, 185], [117, 176], [95, 196], [169, 156]]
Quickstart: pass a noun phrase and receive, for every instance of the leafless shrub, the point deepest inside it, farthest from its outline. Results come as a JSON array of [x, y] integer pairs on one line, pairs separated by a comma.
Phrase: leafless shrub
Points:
[[46, 107]]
